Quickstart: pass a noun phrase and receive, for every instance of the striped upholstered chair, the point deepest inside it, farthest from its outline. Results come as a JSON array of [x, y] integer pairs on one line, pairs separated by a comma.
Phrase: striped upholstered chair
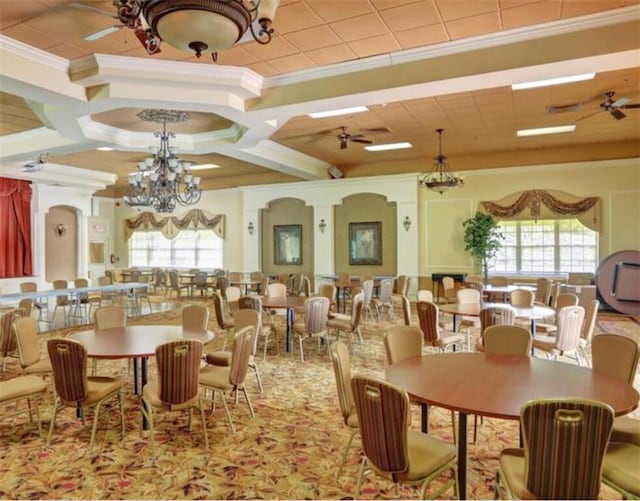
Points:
[[393, 450], [177, 385], [342, 368], [314, 324], [494, 315], [434, 335], [74, 388], [564, 445], [231, 378]]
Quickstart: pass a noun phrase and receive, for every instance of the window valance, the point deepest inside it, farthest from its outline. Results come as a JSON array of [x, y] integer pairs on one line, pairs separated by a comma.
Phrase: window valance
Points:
[[546, 204], [171, 226]]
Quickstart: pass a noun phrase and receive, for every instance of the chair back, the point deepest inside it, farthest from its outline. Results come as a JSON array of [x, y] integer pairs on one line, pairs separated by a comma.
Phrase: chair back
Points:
[[507, 340], [160, 278], [277, 290], [28, 287], [570, 319], [264, 284], [195, 318], [109, 317], [61, 284], [235, 276], [401, 285], [174, 280], [406, 310], [615, 355], [402, 342], [496, 315], [255, 276], [356, 310], [367, 289], [383, 416], [342, 368], [468, 296], [245, 303], [233, 294], [242, 349], [221, 284], [136, 276], [543, 290], [428, 315], [217, 309], [104, 280], [566, 299], [305, 286], [316, 314], [344, 279], [26, 332], [522, 298], [200, 279], [8, 343], [25, 306], [425, 295], [244, 317], [79, 283], [328, 291], [110, 274], [178, 364], [69, 363], [499, 281], [476, 285], [564, 445], [283, 278], [590, 317], [448, 285], [386, 290]]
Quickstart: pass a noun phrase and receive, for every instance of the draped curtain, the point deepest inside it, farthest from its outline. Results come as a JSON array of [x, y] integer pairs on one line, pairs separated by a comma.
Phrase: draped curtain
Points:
[[546, 204], [15, 228], [171, 226]]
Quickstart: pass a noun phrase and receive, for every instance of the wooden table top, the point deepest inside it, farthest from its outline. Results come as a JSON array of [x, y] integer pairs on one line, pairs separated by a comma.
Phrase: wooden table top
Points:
[[133, 341], [283, 302], [498, 385], [473, 310]]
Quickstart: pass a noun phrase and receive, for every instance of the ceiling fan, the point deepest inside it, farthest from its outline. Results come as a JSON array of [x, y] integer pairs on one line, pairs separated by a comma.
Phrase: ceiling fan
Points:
[[148, 41], [609, 105], [344, 137], [35, 165]]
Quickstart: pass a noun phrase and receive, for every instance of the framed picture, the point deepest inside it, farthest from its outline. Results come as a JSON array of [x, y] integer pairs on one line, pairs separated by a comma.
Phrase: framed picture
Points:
[[287, 244], [365, 243]]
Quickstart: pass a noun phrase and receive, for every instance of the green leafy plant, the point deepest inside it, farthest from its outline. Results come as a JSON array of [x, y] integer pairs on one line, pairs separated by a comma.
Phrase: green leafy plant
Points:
[[483, 239]]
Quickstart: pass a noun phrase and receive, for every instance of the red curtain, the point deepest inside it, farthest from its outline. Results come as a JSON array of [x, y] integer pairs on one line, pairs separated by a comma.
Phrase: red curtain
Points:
[[15, 228]]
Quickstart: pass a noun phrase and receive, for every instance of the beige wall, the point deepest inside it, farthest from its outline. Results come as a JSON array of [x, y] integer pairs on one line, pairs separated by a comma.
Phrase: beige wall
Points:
[[364, 208], [61, 251], [285, 212]]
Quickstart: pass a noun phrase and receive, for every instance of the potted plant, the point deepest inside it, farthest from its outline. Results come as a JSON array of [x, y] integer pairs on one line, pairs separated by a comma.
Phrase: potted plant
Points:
[[483, 239]]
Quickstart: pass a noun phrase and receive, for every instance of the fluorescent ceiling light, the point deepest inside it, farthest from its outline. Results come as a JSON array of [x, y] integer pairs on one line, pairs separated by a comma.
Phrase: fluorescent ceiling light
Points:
[[335, 113], [388, 146], [104, 148], [204, 167], [552, 81], [546, 130]]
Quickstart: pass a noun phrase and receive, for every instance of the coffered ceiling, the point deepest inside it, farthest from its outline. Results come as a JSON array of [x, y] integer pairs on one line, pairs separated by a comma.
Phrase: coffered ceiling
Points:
[[416, 65]]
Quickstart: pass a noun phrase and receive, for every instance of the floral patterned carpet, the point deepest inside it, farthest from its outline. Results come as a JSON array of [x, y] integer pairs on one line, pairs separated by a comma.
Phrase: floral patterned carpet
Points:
[[291, 449]]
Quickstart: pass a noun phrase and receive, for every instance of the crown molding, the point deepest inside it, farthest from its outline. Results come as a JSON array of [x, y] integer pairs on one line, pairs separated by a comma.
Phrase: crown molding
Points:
[[28, 52]]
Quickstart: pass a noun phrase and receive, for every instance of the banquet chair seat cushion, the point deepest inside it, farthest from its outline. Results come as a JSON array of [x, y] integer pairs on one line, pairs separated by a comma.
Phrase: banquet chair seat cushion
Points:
[[150, 392], [21, 387], [219, 358], [343, 317], [98, 387], [621, 467], [512, 463], [426, 455], [216, 376], [626, 429]]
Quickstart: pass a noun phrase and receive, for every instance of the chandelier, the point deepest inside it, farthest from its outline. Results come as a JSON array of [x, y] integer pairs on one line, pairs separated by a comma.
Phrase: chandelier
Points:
[[163, 179], [203, 26], [440, 179]]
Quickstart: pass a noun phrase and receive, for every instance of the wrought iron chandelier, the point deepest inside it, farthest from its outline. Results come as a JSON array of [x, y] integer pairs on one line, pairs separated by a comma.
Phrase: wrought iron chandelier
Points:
[[440, 179], [203, 26], [163, 180]]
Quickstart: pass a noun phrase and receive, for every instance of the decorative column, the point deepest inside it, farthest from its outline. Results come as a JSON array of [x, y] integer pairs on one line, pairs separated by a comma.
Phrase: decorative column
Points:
[[323, 238]]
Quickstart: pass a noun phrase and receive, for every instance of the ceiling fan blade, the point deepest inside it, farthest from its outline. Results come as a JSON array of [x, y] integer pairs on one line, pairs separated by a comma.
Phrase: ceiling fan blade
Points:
[[620, 102], [617, 114], [103, 33], [343, 144], [77, 5], [631, 106], [364, 141], [376, 130], [587, 116], [356, 136], [564, 108]]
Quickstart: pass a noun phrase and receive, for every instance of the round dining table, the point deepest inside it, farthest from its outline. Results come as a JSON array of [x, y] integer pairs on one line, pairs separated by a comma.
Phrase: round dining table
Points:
[[498, 385], [532, 313], [136, 342]]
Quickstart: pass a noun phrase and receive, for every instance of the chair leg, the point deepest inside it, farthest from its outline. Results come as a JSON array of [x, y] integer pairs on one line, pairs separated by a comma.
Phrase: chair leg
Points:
[[257, 371], [204, 425], [54, 412], [344, 453], [363, 463]]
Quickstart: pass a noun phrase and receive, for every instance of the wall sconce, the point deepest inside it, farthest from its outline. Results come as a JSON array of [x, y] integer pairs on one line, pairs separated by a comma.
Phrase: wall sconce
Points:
[[61, 229], [406, 223], [322, 225], [250, 228]]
